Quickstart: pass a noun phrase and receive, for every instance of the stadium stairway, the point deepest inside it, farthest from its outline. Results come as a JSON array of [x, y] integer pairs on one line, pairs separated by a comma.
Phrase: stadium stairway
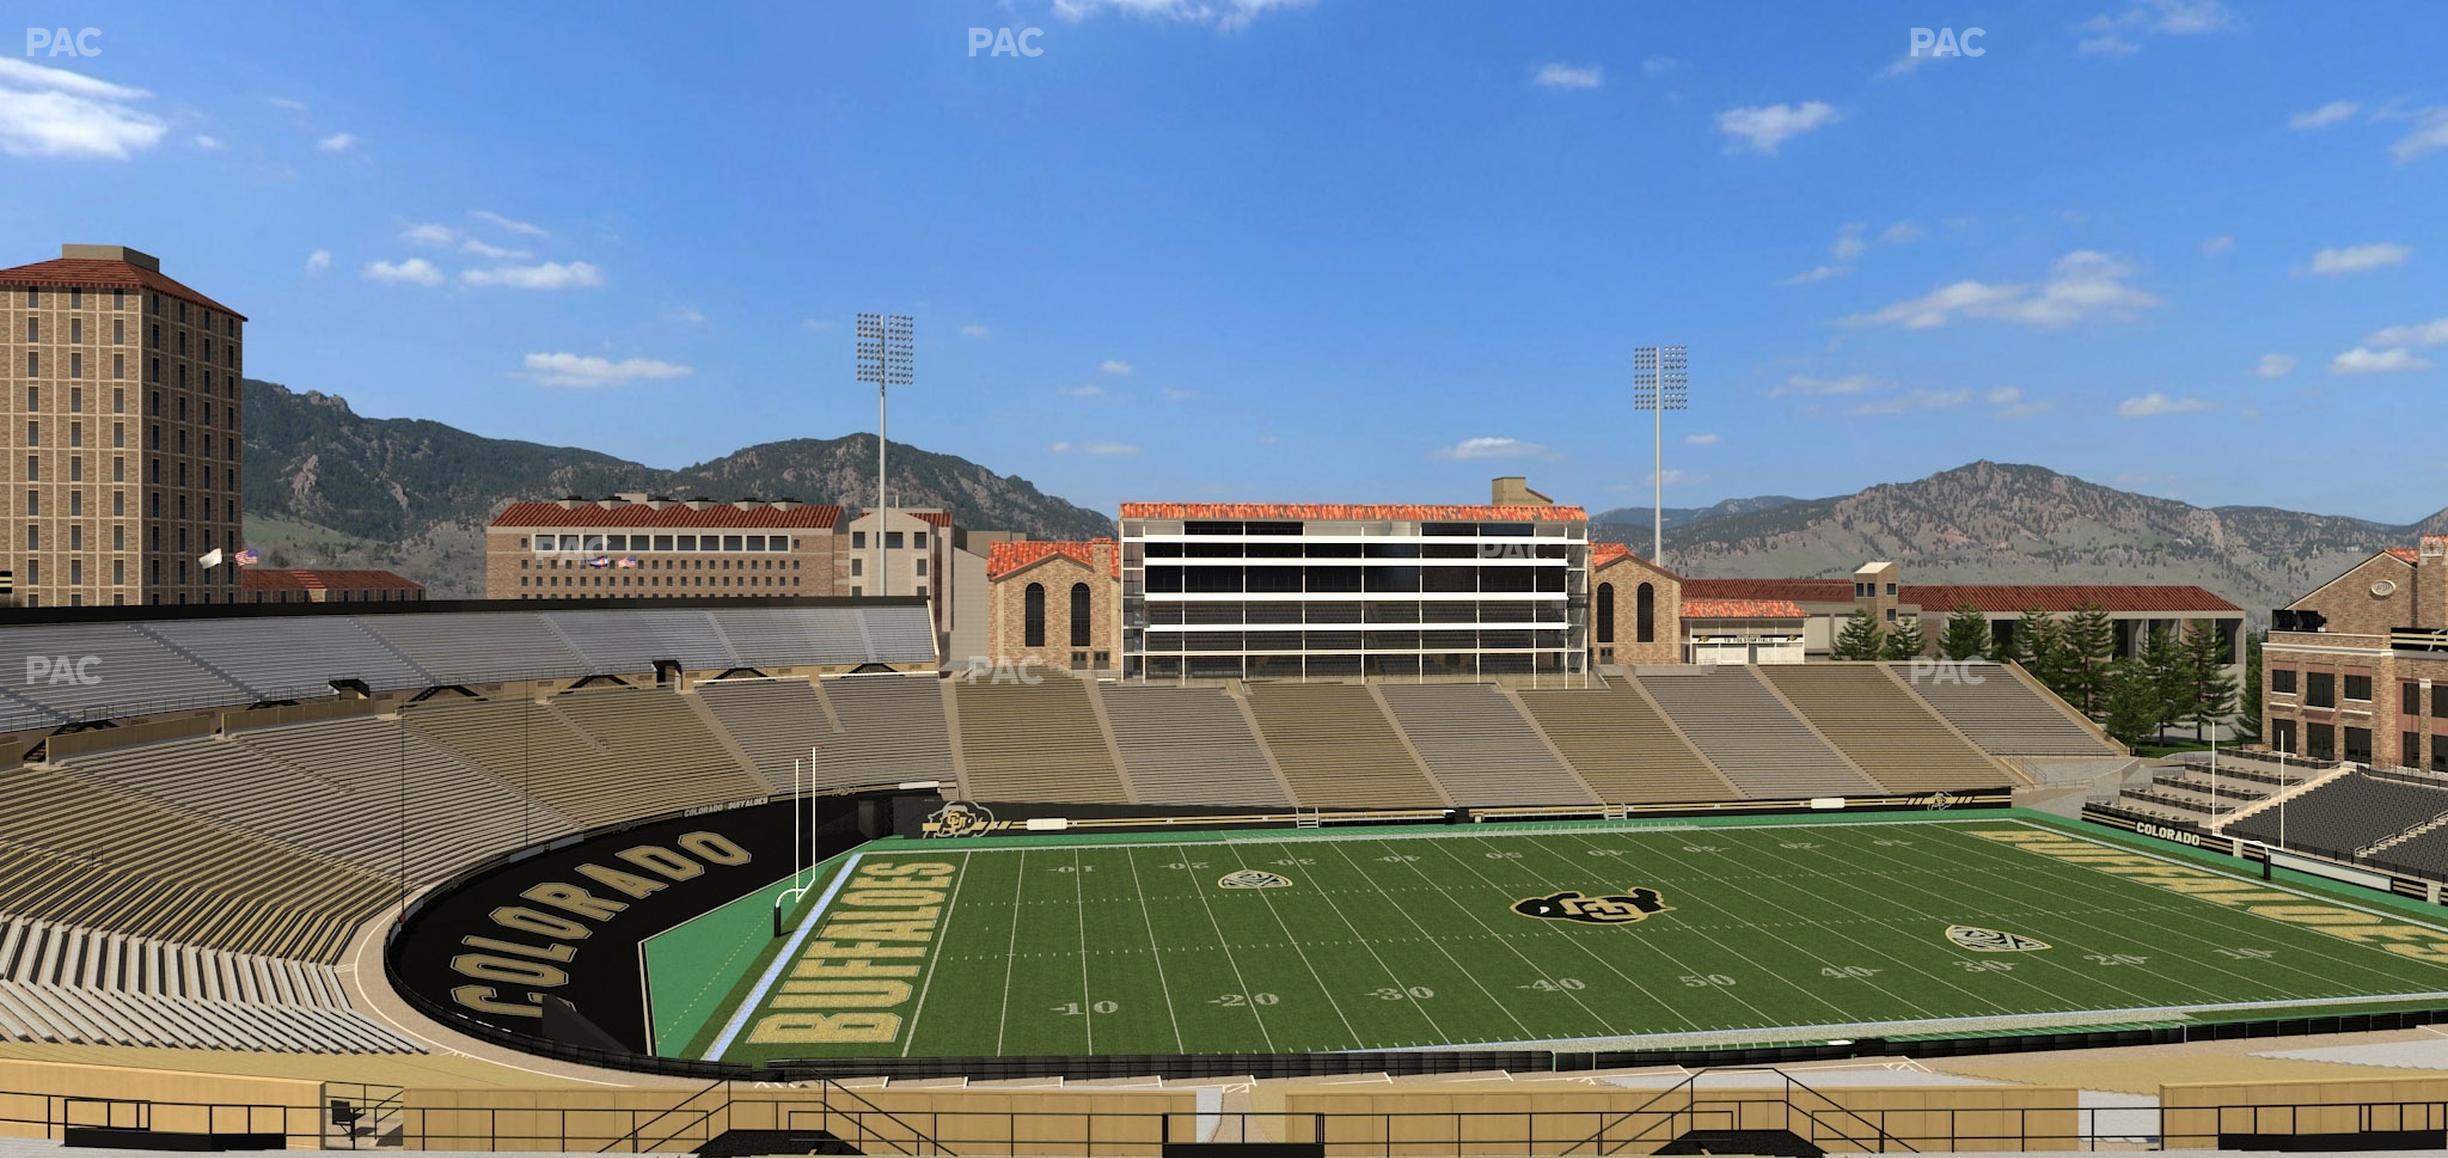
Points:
[[1869, 716], [1480, 748], [1035, 743], [1337, 749], [1190, 745], [1622, 746], [1747, 730]]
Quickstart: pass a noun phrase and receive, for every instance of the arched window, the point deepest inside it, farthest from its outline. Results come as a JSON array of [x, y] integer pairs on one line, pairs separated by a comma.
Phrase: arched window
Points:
[[1606, 613], [1080, 619], [1644, 614], [1032, 616]]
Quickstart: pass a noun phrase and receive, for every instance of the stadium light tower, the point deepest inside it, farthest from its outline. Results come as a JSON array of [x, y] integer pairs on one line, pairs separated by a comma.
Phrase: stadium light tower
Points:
[[885, 356], [1660, 382]]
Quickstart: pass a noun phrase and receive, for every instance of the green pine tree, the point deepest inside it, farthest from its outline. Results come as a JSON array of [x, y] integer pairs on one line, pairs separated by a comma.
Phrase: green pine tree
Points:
[[2170, 678], [2210, 689], [2090, 646], [2042, 639], [2248, 713], [2013, 645], [2132, 702], [1904, 640], [1967, 635], [1859, 639]]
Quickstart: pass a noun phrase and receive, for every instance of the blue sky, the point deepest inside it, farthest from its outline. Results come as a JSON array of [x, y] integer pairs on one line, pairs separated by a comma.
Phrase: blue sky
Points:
[[1270, 249]]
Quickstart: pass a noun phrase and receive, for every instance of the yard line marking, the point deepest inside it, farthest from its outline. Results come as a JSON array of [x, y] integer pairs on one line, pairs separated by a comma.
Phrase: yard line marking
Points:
[[781, 961], [1079, 895], [1661, 950], [1544, 974], [1337, 1006], [1226, 947], [1011, 955], [1156, 951], [1432, 939], [1371, 946], [943, 934], [1806, 919]]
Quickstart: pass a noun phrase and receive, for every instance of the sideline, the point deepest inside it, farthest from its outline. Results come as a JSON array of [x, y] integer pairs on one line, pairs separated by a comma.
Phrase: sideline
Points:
[[782, 960]]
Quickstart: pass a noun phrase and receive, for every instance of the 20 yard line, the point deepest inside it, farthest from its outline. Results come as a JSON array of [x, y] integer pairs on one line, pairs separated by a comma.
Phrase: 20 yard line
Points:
[[1226, 946], [920, 1009]]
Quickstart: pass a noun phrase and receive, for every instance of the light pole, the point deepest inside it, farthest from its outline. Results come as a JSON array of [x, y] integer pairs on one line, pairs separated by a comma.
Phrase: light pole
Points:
[[885, 356], [1660, 382]]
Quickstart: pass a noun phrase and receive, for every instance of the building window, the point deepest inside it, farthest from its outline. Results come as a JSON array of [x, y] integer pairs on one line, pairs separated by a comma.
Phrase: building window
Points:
[[1032, 616], [2358, 745], [2282, 681], [1606, 613], [2409, 750], [2358, 688], [1644, 613], [2320, 689], [1081, 620], [2320, 741], [2409, 700]]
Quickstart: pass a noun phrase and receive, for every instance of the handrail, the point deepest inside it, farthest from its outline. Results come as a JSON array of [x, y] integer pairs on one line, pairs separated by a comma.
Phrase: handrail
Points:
[[637, 1130], [830, 1087]]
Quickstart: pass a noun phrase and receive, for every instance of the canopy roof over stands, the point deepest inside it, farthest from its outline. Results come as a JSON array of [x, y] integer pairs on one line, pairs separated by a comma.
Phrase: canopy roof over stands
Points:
[[85, 667]]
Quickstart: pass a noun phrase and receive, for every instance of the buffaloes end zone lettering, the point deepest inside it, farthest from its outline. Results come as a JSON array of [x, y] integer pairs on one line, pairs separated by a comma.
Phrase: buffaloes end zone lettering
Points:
[[1625, 908], [1981, 940], [1254, 879], [852, 982]]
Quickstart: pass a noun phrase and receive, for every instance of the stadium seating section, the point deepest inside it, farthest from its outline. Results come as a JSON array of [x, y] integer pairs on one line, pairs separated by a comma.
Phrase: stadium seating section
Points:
[[2361, 814], [1883, 729], [2006, 717], [1036, 742], [1477, 745], [1743, 728], [1337, 749], [1190, 746]]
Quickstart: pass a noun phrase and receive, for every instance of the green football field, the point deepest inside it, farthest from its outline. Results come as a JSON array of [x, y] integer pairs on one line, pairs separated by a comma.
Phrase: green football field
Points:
[[1597, 937]]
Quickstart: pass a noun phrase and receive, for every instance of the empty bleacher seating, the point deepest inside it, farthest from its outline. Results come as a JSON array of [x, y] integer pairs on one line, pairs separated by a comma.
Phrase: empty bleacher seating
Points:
[[533, 749], [1034, 742], [281, 657], [634, 640], [1478, 746], [1741, 726], [2350, 813], [1622, 748], [2005, 716], [240, 786], [659, 756], [1188, 745], [1883, 729], [893, 732], [479, 647], [102, 671], [1337, 749], [782, 637], [778, 722]]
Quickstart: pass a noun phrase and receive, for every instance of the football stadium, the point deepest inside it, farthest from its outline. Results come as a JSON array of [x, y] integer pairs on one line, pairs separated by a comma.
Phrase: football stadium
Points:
[[761, 876]]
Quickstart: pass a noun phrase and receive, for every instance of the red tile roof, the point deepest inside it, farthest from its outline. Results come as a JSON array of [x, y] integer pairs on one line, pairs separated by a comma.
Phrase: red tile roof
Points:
[[1408, 512], [2057, 597], [322, 579], [1792, 590], [86, 273], [718, 516], [1741, 609], [2406, 553], [1604, 555], [1008, 556], [936, 518]]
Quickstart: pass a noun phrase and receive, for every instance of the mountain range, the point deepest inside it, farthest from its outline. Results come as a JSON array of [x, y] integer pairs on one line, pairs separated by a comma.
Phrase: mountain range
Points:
[[328, 487]]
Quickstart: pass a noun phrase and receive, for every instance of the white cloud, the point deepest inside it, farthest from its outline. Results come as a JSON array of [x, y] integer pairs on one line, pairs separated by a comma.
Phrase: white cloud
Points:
[[430, 234], [689, 316], [285, 104], [2119, 34], [2324, 116], [2156, 404], [1091, 390], [2363, 360], [318, 261], [591, 372], [2217, 245], [1658, 65], [508, 224], [2003, 395], [550, 275], [2357, 259], [1902, 233], [209, 143], [414, 271], [490, 252], [973, 330], [337, 143], [1763, 128], [1816, 273], [1700, 440], [2012, 403], [1223, 15], [1115, 366], [2275, 365], [2108, 45], [2430, 333], [2430, 136], [1810, 387], [1557, 74], [1100, 449], [51, 112], [2082, 285], [1851, 241], [1913, 401], [1470, 449], [818, 325], [1177, 394]]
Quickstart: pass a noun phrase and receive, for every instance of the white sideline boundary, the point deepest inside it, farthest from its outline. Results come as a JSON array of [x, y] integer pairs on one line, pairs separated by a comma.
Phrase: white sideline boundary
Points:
[[781, 961]]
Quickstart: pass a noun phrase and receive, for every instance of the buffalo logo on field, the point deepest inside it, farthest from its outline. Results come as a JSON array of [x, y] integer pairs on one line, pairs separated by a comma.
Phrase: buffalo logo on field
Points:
[[1254, 879], [1981, 940], [959, 818], [1624, 908]]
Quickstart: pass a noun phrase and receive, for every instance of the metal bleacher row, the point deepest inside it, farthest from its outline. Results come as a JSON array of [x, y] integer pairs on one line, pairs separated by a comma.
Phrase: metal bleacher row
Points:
[[198, 891]]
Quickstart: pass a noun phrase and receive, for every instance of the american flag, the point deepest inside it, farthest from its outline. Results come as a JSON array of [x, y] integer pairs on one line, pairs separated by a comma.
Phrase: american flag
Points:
[[246, 557], [627, 562]]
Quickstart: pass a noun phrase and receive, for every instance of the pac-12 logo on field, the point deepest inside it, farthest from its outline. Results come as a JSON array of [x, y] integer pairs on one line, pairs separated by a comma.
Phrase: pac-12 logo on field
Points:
[[1981, 940], [1254, 879], [1624, 908]]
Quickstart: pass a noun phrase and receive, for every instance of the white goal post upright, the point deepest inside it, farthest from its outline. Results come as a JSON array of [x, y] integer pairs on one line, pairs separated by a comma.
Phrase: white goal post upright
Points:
[[803, 842]]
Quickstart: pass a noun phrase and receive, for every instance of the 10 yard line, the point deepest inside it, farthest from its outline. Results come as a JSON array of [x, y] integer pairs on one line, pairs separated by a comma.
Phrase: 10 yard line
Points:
[[920, 1009]]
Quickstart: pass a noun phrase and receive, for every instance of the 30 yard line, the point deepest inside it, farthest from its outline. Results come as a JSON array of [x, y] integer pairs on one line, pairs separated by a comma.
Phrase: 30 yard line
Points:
[[1399, 907], [1368, 944]]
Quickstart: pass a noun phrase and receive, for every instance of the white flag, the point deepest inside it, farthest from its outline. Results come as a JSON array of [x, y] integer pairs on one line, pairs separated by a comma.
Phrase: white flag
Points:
[[211, 559]]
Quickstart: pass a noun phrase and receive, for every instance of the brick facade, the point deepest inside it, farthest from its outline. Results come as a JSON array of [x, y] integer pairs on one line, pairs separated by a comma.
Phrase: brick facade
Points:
[[1053, 569], [1615, 635]]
